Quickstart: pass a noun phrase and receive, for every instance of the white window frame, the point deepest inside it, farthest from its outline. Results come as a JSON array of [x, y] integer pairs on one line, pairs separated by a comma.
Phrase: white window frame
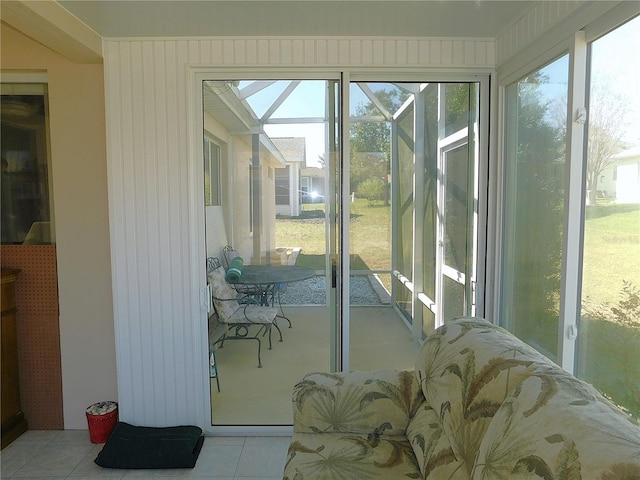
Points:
[[211, 201], [570, 293], [480, 76]]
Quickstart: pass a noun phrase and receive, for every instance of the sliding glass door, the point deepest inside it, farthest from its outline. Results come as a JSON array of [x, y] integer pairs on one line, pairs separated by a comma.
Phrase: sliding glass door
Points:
[[353, 209], [535, 205], [269, 170], [608, 350]]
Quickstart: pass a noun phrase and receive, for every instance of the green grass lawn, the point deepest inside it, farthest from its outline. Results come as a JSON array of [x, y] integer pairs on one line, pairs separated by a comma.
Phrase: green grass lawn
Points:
[[370, 235], [609, 353], [611, 250]]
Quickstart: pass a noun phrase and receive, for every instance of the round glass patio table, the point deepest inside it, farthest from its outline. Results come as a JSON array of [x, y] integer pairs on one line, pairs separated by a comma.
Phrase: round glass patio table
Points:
[[273, 274], [269, 278]]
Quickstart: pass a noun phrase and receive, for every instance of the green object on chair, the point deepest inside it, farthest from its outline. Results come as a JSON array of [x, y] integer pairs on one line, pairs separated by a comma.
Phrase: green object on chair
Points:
[[234, 272]]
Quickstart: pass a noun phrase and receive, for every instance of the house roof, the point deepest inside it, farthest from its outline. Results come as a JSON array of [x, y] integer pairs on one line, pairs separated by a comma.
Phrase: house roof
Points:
[[314, 172], [629, 153], [293, 149]]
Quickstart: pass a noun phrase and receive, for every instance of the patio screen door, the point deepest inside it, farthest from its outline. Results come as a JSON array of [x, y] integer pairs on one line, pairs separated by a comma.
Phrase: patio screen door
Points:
[[428, 135], [457, 235]]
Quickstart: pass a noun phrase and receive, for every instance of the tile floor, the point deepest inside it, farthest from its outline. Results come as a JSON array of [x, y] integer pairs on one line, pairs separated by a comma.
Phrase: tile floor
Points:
[[69, 454]]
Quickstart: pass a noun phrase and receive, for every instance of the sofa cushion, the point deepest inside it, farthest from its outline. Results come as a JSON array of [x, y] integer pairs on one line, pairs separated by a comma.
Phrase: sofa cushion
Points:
[[349, 456], [466, 369], [556, 426], [376, 403], [431, 447]]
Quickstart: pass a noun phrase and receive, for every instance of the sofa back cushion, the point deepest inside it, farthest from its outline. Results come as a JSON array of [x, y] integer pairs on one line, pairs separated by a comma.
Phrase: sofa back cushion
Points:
[[431, 447], [556, 426], [466, 369], [376, 403]]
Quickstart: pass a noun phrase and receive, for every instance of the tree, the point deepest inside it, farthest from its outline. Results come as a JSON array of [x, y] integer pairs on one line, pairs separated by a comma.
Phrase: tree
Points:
[[372, 189], [607, 114], [370, 140], [536, 206]]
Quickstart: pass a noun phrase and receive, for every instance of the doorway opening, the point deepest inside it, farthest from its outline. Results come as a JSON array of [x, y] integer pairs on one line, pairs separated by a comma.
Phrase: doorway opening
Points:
[[357, 206]]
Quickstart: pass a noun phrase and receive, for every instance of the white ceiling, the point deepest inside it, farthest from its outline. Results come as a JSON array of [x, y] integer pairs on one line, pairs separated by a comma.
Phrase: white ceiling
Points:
[[434, 18]]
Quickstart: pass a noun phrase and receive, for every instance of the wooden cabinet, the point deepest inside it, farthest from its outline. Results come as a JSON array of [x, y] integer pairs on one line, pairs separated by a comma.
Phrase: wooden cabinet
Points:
[[13, 421]]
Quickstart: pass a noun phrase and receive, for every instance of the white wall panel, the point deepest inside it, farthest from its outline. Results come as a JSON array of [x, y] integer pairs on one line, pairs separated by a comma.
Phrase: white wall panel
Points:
[[149, 209], [532, 24], [544, 25], [154, 209]]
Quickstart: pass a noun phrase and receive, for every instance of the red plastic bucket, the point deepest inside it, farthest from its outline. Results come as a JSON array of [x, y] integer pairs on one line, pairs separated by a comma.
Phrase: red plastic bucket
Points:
[[102, 418]]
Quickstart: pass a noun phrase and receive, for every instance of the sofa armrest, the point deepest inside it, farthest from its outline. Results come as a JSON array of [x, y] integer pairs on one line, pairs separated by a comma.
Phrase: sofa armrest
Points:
[[378, 402]]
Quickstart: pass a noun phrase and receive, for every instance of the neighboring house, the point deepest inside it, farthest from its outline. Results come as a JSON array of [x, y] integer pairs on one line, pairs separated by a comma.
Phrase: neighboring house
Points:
[[129, 242], [312, 184], [288, 179], [621, 180]]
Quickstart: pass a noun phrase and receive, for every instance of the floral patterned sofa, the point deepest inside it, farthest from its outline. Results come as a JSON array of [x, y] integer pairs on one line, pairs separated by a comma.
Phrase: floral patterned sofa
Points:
[[481, 404]]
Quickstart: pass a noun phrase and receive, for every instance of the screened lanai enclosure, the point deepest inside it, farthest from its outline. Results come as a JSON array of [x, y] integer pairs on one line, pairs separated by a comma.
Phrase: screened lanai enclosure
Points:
[[356, 204]]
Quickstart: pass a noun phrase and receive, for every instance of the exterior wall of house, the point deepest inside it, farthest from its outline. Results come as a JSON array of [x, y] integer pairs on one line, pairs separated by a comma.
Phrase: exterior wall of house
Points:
[[268, 185], [620, 181], [283, 174], [293, 208], [217, 223], [233, 214], [294, 192], [241, 239], [78, 157]]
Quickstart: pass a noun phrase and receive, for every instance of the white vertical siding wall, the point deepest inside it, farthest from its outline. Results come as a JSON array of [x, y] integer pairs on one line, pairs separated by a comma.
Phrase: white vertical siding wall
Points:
[[544, 25], [154, 308], [153, 199], [540, 18]]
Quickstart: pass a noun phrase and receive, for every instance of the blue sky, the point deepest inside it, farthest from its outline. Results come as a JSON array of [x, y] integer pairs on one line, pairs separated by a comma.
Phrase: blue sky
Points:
[[616, 63], [307, 100]]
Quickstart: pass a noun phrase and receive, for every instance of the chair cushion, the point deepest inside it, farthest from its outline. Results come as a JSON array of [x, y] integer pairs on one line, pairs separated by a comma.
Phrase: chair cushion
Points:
[[223, 294], [253, 314]]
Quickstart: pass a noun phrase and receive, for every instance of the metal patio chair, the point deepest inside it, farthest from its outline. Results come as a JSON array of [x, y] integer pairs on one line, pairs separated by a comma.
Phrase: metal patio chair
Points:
[[240, 318]]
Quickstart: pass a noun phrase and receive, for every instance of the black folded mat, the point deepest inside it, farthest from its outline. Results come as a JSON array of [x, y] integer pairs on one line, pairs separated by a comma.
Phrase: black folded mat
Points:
[[129, 446]]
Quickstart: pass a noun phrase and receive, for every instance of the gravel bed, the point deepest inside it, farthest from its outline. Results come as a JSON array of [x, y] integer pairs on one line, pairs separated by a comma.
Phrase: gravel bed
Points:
[[312, 292]]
